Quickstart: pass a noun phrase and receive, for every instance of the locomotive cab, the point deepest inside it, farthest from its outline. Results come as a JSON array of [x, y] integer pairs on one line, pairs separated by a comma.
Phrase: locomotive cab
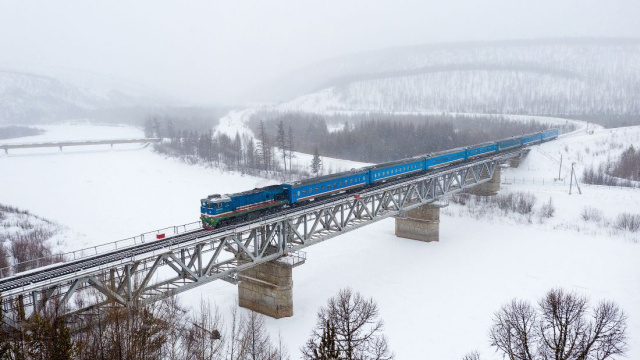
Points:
[[214, 204]]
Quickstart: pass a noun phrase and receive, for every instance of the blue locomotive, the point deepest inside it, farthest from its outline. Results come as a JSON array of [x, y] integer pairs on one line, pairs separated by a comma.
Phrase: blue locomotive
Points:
[[220, 210]]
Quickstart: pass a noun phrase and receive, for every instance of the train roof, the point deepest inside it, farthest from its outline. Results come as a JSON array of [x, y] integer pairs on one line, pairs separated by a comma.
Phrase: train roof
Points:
[[482, 144], [227, 197], [327, 177], [509, 138], [395, 162], [446, 152]]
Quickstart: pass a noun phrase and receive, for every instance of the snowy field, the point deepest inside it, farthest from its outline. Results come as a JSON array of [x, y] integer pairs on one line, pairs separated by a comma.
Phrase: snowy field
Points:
[[436, 299]]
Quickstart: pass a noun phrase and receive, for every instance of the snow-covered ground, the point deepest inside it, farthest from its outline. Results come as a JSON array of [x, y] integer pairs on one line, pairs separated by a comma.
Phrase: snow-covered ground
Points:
[[437, 299], [236, 122]]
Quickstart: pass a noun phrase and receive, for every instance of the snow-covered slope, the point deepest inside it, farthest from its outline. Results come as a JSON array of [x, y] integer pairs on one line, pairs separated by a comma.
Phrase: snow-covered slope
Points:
[[552, 77], [31, 97], [437, 299]]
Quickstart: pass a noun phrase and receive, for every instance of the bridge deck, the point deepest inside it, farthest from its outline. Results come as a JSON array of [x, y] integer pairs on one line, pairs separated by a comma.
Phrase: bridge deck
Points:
[[61, 144], [196, 257]]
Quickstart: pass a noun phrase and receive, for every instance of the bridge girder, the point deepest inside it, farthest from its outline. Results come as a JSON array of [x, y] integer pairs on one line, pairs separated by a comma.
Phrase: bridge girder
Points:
[[149, 277]]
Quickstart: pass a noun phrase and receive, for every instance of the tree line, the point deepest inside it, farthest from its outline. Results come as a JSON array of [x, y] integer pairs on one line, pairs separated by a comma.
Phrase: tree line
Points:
[[623, 171], [348, 328], [13, 131], [272, 150], [388, 137], [561, 326]]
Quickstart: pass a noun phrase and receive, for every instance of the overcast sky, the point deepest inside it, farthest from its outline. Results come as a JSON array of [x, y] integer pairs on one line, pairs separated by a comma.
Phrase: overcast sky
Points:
[[206, 51]]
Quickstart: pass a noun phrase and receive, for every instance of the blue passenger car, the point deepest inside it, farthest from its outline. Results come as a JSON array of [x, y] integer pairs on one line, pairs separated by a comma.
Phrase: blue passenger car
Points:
[[326, 185], [445, 157], [549, 135], [531, 139], [390, 170], [481, 149], [221, 210], [510, 143]]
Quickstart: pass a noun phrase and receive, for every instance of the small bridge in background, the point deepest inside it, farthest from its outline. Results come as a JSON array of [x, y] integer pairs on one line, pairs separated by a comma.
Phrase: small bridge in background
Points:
[[61, 144]]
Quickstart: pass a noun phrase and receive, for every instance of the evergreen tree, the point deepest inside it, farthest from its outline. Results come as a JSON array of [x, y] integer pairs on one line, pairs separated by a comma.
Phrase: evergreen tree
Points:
[[290, 147], [251, 154], [264, 147], [316, 162], [281, 141], [237, 149]]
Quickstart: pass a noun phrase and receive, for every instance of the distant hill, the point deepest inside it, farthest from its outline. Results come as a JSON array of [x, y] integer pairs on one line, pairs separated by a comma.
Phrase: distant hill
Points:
[[27, 97], [543, 77]]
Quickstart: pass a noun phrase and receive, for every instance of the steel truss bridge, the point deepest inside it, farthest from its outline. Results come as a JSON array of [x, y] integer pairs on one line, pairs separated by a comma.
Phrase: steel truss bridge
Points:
[[153, 270]]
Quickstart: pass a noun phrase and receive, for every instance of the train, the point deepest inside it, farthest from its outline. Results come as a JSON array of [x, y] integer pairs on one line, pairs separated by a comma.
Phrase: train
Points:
[[218, 210]]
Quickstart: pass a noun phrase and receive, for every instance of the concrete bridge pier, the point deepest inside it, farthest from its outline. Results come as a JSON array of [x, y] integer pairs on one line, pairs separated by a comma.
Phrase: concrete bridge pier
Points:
[[489, 188], [267, 288], [515, 162], [421, 223]]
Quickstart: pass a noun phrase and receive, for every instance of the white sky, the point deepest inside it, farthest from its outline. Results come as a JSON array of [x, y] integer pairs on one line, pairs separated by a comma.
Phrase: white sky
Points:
[[207, 51]]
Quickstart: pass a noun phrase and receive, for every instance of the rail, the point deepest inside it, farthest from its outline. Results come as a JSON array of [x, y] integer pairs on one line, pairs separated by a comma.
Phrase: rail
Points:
[[80, 254]]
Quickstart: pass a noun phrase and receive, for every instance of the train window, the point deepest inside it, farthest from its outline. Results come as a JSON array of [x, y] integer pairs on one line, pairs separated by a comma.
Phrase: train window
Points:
[[317, 188], [334, 185], [322, 187], [350, 181], [304, 192], [298, 192]]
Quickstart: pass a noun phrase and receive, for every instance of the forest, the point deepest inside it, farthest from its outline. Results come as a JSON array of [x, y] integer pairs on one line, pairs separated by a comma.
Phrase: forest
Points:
[[380, 138], [623, 171]]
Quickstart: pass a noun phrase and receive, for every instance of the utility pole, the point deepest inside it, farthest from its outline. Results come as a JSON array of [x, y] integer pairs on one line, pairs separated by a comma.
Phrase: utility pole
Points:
[[577, 185], [571, 179], [560, 169], [573, 175]]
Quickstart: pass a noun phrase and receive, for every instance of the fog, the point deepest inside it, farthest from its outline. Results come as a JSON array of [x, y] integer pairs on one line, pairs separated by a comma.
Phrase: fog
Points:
[[211, 51]]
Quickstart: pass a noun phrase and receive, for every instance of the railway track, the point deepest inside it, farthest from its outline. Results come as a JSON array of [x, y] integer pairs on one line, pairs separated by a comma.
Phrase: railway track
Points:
[[34, 276]]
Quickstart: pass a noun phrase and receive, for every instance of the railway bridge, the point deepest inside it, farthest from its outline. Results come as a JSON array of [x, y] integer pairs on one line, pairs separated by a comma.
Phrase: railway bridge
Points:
[[258, 255], [61, 144]]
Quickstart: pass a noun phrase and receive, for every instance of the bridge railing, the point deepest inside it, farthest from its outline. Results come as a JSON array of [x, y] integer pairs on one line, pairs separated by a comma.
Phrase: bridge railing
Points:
[[98, 249]]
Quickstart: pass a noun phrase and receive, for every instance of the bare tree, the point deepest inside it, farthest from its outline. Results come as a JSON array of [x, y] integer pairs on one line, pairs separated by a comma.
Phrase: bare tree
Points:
[[256, 339], [237, 348], [4, 259], [355, 327], [202, 335], [474, 355], [264, 146], [515, 331], [560, 329]]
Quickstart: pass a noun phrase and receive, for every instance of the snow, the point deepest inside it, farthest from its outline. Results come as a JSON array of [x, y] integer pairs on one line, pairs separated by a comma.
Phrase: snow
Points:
[[236, 122], [436, 299]]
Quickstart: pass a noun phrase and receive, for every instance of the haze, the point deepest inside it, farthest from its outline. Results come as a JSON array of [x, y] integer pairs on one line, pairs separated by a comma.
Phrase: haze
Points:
[[209, 52]]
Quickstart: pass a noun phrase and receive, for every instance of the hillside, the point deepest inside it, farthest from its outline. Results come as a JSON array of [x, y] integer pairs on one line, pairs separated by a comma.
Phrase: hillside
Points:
[[542, 77], [29, 97]]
